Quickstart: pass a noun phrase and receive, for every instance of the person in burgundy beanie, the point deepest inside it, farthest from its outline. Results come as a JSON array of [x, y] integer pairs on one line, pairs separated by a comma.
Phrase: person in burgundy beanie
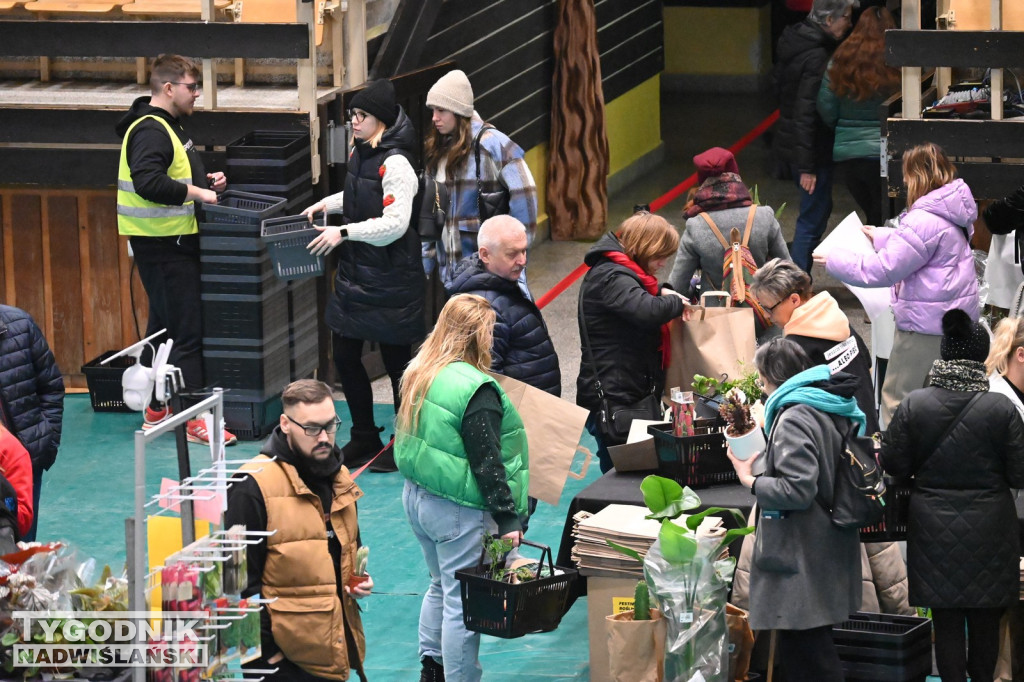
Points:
[[714, 161]]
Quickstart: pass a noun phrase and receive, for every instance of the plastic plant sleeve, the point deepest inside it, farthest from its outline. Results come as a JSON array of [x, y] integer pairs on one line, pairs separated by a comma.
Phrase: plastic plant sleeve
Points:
[[692, 596]]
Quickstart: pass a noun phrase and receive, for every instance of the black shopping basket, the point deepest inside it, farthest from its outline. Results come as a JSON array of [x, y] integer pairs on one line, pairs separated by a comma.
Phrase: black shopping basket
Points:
[[287, 239], [501, 609]]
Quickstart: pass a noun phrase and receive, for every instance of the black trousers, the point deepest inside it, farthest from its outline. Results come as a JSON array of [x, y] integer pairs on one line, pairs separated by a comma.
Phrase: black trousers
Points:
[[175, 303], [808, 655], [863, 178], [355, 382], [959, 654]]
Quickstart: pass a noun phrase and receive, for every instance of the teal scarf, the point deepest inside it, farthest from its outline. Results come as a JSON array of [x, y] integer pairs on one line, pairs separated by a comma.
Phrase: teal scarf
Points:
[[796, 390]]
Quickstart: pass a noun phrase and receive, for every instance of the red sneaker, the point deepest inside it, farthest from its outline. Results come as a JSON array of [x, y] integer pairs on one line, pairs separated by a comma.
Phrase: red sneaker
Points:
[[155, 417], [197, 433]]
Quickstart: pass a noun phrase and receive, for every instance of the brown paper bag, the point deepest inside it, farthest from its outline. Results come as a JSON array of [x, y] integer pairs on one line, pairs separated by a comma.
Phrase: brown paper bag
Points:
[[1004, 664], [713, 342], [741, 642], [636, 648], [553, 430]]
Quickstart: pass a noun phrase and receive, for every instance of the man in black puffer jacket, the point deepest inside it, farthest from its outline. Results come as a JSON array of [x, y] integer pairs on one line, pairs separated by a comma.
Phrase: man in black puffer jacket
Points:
[[31, 394], [522, 348], [803, 143]]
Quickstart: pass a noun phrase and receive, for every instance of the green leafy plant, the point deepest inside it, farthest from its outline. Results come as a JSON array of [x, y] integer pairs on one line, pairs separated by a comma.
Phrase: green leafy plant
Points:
[[496, 549], [757, 200]]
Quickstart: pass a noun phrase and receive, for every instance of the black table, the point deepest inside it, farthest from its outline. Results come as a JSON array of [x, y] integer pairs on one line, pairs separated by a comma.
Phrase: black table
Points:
[[624, 488]]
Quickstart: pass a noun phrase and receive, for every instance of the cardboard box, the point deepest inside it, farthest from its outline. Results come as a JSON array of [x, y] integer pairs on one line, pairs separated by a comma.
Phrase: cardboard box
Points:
[[605, 596]]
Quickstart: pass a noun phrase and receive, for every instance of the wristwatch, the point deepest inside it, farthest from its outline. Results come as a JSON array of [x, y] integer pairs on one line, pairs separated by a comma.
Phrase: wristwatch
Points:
[[343, 232]]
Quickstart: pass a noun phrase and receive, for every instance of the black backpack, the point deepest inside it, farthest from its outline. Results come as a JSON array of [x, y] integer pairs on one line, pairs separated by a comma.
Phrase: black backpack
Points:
[[858, 492]]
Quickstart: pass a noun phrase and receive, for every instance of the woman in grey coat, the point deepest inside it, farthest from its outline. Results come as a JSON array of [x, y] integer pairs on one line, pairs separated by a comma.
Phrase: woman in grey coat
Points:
[[805, 574]]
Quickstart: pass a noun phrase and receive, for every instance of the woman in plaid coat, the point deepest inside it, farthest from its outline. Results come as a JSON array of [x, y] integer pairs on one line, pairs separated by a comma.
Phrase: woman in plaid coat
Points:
[[449, 154]]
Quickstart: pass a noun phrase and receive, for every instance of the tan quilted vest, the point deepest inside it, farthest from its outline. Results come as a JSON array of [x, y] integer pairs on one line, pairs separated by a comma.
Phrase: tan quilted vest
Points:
[[307, 617]]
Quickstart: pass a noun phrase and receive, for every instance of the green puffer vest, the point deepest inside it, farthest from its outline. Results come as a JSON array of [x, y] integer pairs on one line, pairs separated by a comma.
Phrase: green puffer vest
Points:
[[434, 456]]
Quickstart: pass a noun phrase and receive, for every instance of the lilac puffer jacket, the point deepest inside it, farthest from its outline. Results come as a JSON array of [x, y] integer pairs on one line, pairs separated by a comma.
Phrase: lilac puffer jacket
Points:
[[926, 260]]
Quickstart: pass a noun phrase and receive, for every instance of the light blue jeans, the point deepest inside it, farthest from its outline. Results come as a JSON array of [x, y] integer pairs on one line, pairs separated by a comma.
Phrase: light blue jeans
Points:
[[451, 537]]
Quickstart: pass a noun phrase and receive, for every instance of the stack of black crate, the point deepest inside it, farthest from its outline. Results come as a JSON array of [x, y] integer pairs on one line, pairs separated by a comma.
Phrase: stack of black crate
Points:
[[279, 163], [245, 313]]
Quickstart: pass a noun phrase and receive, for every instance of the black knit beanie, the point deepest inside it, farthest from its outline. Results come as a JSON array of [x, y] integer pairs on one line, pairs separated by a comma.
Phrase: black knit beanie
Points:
[[378, 100], [962, 338]]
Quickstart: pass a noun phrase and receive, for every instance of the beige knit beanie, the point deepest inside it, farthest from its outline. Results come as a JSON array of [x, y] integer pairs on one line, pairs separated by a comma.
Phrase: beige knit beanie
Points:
[[453, 92]]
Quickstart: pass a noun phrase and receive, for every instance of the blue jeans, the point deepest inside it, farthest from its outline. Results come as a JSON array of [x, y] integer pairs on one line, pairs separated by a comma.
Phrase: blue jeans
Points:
[[451, 537], [813, 219]]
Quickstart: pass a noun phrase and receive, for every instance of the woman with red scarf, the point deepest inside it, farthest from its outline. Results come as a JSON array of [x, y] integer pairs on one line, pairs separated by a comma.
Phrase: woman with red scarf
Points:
[[623, 316]]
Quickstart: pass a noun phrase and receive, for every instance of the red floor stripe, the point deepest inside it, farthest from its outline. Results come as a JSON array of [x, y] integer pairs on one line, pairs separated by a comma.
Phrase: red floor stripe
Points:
[[660, 203]]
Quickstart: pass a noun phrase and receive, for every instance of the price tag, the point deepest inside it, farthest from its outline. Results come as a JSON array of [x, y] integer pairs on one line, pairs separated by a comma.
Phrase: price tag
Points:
[[686, 617]]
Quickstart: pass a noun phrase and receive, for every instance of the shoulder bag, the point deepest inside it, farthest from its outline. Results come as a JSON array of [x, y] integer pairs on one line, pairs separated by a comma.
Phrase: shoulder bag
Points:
[[489, 204], [614, 419]]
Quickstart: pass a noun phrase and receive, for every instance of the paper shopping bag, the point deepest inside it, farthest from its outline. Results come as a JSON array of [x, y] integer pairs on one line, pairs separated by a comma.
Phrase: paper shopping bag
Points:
[[553, 429], [741, 642], [636, 648], [713, 342]]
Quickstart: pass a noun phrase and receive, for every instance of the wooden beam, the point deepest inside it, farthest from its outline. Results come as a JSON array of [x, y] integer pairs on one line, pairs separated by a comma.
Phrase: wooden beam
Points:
[[963, 49], [151, 38], [959, 137]]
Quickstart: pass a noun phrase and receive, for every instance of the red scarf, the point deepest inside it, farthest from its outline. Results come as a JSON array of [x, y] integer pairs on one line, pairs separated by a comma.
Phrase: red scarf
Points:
[[650, 283]]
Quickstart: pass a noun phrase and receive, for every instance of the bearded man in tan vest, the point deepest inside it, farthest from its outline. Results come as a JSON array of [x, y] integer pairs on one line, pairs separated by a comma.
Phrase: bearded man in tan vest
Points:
[[300, 488]]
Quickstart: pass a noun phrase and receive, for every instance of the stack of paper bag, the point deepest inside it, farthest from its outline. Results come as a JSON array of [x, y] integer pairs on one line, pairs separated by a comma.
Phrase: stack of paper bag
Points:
[[624, 525]]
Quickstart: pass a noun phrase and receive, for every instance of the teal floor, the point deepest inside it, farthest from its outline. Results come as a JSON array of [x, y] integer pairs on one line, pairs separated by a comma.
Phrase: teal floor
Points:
[[88, 494]]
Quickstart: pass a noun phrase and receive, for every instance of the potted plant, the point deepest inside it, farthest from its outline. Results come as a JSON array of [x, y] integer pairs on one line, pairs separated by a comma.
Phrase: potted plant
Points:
[[688, 577], [636, 640], [359, 576], [742, 433]]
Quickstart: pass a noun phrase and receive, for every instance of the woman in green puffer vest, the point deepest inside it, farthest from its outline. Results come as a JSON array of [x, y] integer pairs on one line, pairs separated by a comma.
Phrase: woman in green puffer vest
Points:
[[855, 84], [462, 448]]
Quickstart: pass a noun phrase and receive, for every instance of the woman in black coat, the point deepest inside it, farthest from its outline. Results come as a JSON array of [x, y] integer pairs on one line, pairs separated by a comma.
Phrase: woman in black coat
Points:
[[964, 448], [624, 313], [379, 285]]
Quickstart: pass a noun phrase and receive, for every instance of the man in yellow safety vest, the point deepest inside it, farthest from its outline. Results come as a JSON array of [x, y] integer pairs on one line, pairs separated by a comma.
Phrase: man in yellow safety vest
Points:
[[160, 182]]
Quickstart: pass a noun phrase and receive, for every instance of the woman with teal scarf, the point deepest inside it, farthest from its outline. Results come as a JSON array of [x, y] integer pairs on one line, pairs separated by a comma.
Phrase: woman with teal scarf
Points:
[[805, 572]]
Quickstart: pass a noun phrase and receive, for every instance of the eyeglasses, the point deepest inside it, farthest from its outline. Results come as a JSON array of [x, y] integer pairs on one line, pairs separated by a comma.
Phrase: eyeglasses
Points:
[[192, 87], [771, 309], [357, 116], [313, 430]]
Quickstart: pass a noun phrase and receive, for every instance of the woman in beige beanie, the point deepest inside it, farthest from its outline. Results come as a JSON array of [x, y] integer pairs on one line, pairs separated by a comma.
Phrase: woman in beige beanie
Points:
[[449, 154]]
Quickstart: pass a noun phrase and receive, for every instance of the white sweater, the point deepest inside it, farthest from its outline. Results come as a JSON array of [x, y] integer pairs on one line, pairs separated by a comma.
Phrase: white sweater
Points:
[[399, 182]]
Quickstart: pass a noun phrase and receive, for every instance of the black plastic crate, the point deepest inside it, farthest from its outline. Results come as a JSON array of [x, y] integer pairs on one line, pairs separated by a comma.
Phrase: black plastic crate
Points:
[[303, 328], [299, 204], [251, 418], [104, 382], [244, 317], [286, 239], [268, 144], [213, 263], [884, 647], [269, 171], [216, 245], [264, 370], [698, 461], [497, 608], [245, 285], [304, 357], [288, 192], [895, 515], [241, 207]]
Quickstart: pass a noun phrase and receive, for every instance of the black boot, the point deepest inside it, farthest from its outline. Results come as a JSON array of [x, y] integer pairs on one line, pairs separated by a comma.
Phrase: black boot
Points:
[[365, 443], [432, 670], [385, 464]]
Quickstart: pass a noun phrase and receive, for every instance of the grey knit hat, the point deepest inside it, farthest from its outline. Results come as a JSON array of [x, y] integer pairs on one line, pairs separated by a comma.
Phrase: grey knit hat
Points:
[[453, 92]]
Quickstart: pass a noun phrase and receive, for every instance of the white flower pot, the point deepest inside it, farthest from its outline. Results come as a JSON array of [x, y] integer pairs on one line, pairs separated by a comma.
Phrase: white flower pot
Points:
[[746, 446]]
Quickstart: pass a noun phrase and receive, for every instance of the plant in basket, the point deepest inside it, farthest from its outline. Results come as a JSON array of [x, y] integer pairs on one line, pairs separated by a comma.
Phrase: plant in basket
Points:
[[744, 436], [688, 571]]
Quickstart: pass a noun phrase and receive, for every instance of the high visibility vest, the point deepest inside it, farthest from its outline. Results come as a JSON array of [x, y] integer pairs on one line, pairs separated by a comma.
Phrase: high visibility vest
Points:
[[137, 216]]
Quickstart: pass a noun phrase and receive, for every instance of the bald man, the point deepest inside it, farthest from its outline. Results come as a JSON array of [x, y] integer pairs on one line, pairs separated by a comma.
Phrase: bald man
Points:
[[522, 348]]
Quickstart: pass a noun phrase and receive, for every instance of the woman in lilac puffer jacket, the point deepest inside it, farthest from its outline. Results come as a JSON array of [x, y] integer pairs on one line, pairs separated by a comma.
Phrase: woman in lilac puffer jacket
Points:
[[927, 262]]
